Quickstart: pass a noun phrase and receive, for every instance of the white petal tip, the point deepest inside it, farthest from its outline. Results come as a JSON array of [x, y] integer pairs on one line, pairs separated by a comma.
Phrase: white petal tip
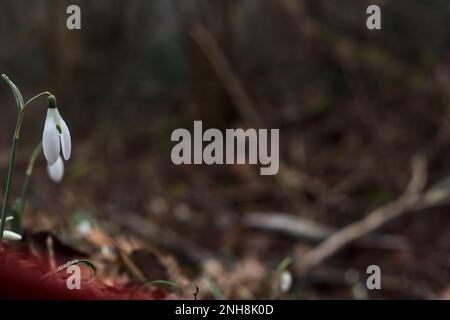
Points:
[[56, 171], [11, 236]]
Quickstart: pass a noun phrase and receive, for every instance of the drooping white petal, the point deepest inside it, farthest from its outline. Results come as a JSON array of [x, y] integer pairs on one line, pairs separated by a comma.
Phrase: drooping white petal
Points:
[[12, 236], [10, 218], [56, 171], [66, 142], [50, 138]]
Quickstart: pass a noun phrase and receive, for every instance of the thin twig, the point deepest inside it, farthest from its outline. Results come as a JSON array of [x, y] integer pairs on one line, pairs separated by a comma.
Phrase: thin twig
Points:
[[197, 289], [315, 232], [229, 79], [288, 224], [375, 219], [249, 113], [51, 253], [146, 229]]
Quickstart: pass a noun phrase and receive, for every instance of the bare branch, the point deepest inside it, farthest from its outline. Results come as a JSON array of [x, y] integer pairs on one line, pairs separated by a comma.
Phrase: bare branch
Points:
[[251, 116], [375, 219]]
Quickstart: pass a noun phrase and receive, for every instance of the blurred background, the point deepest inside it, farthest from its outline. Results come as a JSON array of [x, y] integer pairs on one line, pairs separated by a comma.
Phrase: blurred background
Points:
[[353, 106]]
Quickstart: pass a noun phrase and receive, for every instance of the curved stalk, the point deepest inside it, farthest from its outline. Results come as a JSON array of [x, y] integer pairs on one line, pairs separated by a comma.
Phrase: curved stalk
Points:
[[36, 97]]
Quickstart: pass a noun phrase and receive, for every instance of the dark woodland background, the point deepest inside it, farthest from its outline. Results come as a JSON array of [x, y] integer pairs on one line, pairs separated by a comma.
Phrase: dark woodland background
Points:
[[353, 106]]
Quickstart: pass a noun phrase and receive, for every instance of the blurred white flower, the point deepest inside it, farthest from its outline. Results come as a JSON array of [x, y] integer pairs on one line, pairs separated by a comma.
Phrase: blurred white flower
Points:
[[84, 227], [56, 170], [56, 135], [285, 281], [12, 236]]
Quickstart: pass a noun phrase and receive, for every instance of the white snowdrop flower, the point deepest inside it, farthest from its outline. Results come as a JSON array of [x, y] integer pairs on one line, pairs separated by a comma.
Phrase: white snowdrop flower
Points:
[[84, 227], [12, 236], [56, 135], [56, 170], [285, 281]]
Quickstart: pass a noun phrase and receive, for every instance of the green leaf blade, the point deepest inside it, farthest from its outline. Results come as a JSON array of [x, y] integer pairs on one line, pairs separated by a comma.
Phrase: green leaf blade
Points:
[[86, 262], [16, 92]]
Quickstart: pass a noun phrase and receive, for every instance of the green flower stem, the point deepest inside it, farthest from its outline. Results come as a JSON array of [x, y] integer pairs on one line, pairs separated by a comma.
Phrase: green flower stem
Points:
[[18, 213], [33, 157], [22, 111], [12, 160], [36, 97]]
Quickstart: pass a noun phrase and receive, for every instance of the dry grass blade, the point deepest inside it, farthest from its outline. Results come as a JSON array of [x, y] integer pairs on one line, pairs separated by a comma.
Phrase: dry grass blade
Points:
[[88, 263], [289, 224]]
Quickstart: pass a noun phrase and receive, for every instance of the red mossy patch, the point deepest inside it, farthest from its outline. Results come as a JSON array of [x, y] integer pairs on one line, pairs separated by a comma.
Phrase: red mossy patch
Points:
[[22, 276]]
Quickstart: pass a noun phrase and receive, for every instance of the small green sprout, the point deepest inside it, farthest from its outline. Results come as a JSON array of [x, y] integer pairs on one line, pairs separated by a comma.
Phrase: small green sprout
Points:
[[282, 280]]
